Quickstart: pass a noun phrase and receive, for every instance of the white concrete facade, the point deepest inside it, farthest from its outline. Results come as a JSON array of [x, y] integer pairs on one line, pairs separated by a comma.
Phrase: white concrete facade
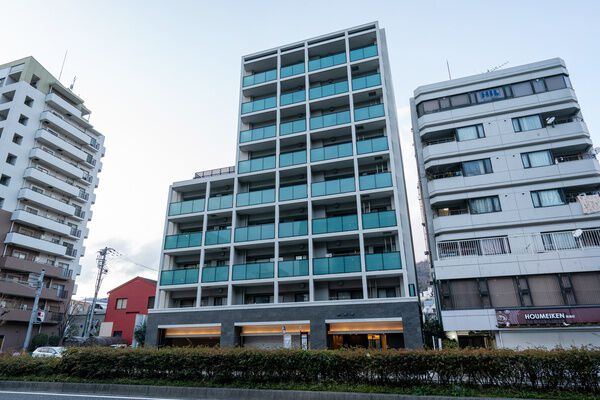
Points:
[[503, 159]]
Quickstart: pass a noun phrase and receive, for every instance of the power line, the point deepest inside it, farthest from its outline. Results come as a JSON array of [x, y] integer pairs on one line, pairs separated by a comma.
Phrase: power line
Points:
[[124, 257]]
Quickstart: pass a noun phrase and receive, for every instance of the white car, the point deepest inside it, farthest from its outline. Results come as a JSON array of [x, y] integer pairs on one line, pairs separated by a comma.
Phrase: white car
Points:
[[48, 352]]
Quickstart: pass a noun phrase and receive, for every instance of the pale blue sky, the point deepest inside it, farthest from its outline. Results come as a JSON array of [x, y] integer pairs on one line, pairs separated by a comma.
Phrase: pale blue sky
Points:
[[162, 81]]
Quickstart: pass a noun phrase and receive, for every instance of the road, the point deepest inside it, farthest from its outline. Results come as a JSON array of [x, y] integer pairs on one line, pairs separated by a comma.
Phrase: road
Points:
[[11, 395]]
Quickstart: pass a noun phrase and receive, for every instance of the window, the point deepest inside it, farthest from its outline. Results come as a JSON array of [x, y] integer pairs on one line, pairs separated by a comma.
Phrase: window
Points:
[[477, 167], [17, 139], [23, 120], [386, 292], [548, 198], [484, 205], [555, 82], [585, 286], [537, 159], [28, 101], [4, 180], [460, 100], [465, 294], [117, 333], [1, 202], [545, 290], [11, 159], [150, 302], [529, 123], [538, 85], [430, 106], [121, 304], [470, 133], [522, 89], [503, 292]]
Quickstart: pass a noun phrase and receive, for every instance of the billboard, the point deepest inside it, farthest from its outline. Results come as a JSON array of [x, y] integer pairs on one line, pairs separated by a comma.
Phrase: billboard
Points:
[[547, 317]]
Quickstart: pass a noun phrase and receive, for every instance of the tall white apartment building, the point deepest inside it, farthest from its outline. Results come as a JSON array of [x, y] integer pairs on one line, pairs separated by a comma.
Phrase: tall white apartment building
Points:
[[49, 160], [509, 182], [306, 241]]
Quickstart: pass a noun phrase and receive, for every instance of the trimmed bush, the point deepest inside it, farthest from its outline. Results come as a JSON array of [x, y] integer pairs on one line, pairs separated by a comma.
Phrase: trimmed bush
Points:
[[574, 369]]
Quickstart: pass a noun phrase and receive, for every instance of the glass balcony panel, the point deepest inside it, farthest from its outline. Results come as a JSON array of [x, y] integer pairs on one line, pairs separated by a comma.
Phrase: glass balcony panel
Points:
[[292, 70], [259, 105], [186, 207], [166, 278], [291, 268], [335, 224], [292, 98], [178, 277], [323, 121], [185, 276], [374, 111], [257, 164], [182, 240], [255, 232], [295, 228], [326, 62], [331, 152], [256, 197], [293, 192], [336, 265], [363, 52], [215, 274], [334, 186], [292, 158], [375, 181], [287, 128], [371, 145], [260, 77], [221, 236], [379, 219], [220, 202], [328, 90], [253, 271], [383, 261], [264, 132], [366, 81]]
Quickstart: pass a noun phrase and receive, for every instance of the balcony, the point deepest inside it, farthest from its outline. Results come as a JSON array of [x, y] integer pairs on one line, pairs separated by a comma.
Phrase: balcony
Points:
[[254, 232], [367, 81], [56, 101], [243, 272], [326, 62], [331, 152], [45, 223], [327, 120], [221, 236], [294, 228], [292, 158], [256, 164], [45, 156], [220, 202], [328, 90], [46, 201], [363, 52], [372, 145], [335, 224], [256, 197], [39, 176], [32, 266], [183, 240], [375, 181], [369, 112], [334, 186], [260, 77], [49, 138], [215, 274], [288, 269], [259, 105], [288, 128], [66, 128], [293, 192], [179, 276], [39, 244], [383, 261], [186, 207], [291, 70], [292, 98], [336, 265], [381, 219], [255, 134]]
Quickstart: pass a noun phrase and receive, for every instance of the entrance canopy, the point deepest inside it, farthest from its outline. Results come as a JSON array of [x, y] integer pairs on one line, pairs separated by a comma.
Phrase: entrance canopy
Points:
[[200, 330], [365, 326], [273, 328]]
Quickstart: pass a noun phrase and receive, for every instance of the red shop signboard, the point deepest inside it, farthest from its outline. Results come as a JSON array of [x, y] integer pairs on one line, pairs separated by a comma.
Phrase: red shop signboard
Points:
[[548, 317]]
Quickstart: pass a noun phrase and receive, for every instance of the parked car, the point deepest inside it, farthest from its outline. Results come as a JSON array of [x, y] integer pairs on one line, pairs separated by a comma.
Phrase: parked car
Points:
[[48, 352]]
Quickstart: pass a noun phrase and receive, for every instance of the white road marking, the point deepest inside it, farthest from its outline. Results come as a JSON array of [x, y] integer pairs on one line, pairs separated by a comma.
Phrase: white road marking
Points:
[[85, 395]]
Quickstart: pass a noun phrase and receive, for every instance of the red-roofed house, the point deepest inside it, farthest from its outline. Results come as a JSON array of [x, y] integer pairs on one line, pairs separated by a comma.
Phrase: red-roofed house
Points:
[[127, 308]]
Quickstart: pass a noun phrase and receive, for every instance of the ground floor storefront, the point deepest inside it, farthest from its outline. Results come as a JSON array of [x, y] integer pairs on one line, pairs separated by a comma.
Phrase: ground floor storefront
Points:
[[375, 326]]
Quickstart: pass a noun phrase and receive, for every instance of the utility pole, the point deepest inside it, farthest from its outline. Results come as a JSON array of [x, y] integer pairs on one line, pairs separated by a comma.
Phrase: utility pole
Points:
[[101, 264], [34, 309]]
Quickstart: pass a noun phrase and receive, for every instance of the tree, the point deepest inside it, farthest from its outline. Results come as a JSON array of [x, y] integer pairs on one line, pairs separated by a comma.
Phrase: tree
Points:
[[432, 327], [39, 340], [67, 328], [140, 334]]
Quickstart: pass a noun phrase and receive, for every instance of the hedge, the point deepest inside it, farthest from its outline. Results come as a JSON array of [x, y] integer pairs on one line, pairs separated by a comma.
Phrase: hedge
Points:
[[573, 369]]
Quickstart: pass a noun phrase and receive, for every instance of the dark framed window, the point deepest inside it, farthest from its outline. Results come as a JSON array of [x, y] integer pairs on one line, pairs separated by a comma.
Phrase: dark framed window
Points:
[[536, 159], [477, 167], [150, 302], [484, 205], [548, 198], [121, 304], [471, 132], [529, 123]]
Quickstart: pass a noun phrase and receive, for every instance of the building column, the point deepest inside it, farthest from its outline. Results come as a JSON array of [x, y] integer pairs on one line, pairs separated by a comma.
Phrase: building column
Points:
[[318, 334]]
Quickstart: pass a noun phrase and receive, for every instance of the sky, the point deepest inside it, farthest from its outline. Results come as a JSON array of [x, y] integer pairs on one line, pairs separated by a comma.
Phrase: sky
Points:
[[162, 81]]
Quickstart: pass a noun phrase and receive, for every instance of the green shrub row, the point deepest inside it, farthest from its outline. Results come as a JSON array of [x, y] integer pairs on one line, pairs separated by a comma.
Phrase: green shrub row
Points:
[[574, 369]]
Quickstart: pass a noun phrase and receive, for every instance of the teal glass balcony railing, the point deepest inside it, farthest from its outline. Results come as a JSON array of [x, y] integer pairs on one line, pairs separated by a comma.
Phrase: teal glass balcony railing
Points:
[[294, 228], [333, 186], [363, 52], [293, 97], [336, 118], [264, 132], [186, 207], [372, 145], [179, 276], [335, 224], [220, 202], [293, 192], [379, 219], [255, 232], [259, 105], [256, 197], [256, 164], [243, 272], [221, 236], [374, 111], [215, 274], [291, 70], [328, 90], [331, 152], [336, 265], [286, 269], [383, 261], [287, 128], [292, 158], [375, 181], [326, 62], [260, 77], [182, 240], [363, 82]]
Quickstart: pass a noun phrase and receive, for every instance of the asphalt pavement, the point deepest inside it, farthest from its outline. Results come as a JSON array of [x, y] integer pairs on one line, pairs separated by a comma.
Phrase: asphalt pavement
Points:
[[13, 395]]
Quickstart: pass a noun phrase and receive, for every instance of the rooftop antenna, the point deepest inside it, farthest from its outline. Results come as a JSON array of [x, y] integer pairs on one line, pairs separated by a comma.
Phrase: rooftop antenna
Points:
[[63, 64], [73, 84], [497, 67], [448, 66]]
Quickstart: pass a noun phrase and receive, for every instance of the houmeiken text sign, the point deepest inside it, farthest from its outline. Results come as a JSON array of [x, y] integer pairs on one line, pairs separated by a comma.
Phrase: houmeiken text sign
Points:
[[547, 316]]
